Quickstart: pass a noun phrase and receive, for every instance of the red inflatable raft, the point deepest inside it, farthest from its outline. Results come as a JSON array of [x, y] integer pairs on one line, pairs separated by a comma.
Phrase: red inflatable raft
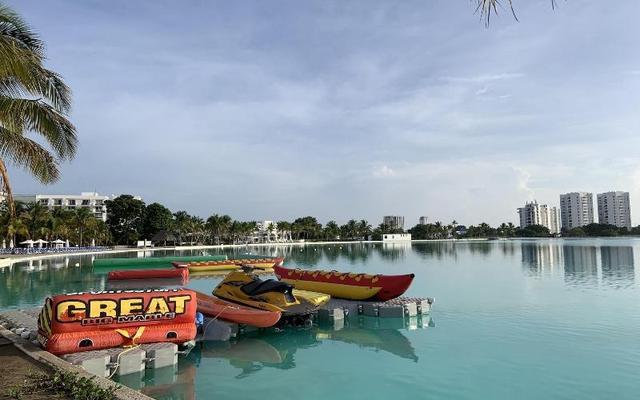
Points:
[[346, 285], [182, 273], [75, 322], [215, 307]]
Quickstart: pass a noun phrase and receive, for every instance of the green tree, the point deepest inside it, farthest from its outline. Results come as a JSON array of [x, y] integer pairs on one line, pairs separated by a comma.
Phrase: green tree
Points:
[[124, 218], [83, 219], [156, 218], [363, 229], [34, 100], [331, 231], [534, 231], [576, 232]]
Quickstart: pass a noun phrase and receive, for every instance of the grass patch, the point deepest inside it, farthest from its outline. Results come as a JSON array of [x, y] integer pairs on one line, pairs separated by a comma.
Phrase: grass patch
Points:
[[61, 384]]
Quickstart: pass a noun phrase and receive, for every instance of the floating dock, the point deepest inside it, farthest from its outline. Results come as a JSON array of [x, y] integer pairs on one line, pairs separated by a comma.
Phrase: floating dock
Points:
[[134, 361]]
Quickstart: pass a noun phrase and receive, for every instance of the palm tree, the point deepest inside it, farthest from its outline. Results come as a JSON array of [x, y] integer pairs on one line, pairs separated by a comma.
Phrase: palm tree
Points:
[[488, 7], [34, 100], [82, 219]]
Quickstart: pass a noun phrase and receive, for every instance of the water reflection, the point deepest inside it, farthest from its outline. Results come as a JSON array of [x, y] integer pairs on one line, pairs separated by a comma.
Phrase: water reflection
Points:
[[27, 283], [581, 265], [617, 266], [540, 257], [253, 352]]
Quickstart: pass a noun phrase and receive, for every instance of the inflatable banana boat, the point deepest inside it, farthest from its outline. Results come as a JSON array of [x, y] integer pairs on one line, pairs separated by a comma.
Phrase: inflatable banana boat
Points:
[[226, 265], [346, 285], [149, 274], [76, 322]]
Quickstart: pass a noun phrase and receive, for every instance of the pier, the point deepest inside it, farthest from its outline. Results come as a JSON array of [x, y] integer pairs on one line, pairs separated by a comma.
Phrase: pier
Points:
[[134, 361]]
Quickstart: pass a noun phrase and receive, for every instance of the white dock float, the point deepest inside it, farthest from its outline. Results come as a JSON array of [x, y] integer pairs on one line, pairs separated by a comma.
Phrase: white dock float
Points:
[[402, 307]]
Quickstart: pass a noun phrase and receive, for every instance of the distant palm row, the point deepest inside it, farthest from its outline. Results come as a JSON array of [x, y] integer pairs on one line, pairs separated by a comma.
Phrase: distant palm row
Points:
[[34, 221]]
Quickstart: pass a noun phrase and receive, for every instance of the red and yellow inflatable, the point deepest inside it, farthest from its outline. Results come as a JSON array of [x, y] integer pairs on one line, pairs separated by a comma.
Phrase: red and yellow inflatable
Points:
[[75, 322]]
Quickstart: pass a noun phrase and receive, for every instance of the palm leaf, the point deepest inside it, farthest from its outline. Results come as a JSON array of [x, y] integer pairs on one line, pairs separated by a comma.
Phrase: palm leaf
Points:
[[37, 116], [28, 154]]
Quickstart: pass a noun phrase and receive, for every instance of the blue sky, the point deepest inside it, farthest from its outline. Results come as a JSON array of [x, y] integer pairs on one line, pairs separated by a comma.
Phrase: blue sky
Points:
[[273, 110]]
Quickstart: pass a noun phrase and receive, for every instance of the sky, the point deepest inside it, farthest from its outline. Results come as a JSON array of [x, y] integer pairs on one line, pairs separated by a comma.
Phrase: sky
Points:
[[274, 110]]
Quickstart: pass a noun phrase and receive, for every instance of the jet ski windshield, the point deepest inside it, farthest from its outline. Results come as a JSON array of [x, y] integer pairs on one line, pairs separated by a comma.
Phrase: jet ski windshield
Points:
[[259, 286]]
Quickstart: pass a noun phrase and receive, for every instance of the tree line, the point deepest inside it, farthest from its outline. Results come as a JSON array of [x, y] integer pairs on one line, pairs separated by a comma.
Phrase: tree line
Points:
[[130, 219], [35, 221]]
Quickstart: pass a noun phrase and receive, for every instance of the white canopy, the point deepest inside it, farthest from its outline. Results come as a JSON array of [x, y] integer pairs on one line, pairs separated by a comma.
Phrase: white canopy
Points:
[[29, 241], [41, 241], [57, 241]]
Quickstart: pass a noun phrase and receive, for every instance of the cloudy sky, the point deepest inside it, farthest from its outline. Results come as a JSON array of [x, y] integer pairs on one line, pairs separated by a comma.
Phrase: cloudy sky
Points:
[[272, 110]]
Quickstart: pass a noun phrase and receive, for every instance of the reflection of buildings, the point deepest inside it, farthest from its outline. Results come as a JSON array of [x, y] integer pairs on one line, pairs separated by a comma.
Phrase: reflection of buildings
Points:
[[580, 263], [617, 265], [539, 256]]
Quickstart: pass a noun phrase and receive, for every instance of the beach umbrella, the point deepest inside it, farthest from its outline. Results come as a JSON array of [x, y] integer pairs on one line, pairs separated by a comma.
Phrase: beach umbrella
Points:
[[11, 244], [93, 243], [66, 244], [40, 242], [28, 242]]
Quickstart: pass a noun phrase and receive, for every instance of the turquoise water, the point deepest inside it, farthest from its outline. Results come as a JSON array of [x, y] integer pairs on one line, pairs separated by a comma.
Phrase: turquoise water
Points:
[[530, 319]]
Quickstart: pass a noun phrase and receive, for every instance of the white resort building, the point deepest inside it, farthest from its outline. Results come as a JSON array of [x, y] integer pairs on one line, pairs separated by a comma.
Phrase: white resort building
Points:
[[614, 208], [576, 209], [539, 214], [267, 232], [91, 200]]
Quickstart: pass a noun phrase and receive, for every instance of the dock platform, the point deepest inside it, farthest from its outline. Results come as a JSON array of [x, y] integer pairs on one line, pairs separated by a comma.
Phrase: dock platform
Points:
[[132, 361]]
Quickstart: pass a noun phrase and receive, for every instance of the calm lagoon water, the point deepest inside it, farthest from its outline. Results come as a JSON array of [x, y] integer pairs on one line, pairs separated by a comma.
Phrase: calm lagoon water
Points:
[[526, 319]]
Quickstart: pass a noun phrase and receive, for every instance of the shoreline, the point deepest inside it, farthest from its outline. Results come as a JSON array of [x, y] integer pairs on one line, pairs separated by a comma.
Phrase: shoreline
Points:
[[7, 261], [22, 258]]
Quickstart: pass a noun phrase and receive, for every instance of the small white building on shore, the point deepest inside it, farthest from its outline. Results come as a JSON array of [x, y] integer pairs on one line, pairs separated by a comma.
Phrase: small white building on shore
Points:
[[396, 237]]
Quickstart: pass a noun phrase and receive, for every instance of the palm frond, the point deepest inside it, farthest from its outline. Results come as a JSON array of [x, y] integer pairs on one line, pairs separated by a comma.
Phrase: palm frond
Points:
[[21, 58], [488, 7], [43, 119], [12, 25], [28, 154]]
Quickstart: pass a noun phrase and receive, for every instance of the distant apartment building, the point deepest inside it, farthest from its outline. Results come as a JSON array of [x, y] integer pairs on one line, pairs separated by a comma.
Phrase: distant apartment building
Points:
[[91, 200], [423, 221], [576, 209], [539, 214], [393, 221], [614, 208]]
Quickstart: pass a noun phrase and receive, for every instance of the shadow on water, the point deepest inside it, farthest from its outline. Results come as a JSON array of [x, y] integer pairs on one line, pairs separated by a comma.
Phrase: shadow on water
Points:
[[255, 351]]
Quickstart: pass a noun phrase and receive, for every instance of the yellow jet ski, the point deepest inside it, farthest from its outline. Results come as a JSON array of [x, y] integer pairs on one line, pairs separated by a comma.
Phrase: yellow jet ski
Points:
[[247, 288]]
